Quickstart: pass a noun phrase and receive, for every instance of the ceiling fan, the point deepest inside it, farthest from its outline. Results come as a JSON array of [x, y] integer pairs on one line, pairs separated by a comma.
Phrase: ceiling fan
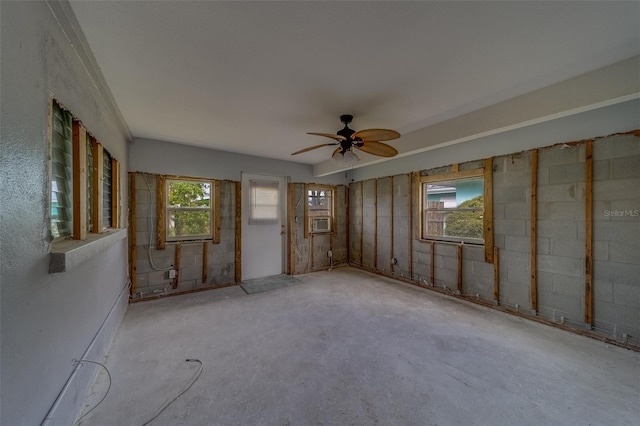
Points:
[[347, 139]]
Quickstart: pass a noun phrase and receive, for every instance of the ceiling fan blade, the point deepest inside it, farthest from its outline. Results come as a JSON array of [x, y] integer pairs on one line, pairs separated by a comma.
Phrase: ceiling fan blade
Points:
[[376, 135], [378, 148], [329, 135], [336, 152], [314, 147]]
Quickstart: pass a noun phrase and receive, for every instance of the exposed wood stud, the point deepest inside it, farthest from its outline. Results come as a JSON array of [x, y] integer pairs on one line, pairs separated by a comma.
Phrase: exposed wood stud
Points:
[[455, 167], [459, 253], [432, 265], [79, 181], [98, 180], [488, 210], [176, 265], [160, 212], [534, 236], [312, 252], [375, 224], [216, 212], [205, 261], [347, 214], [391, 262], [418, 201], [306, 211], [291, 188], [410, 224], [238, 233], [132, 233], [588, 289], [496, 275], [115, 193], [361, 220]]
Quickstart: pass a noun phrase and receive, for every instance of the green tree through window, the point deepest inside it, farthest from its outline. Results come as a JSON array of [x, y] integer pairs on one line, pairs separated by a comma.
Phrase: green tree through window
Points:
[[467, 224], [188, 209]]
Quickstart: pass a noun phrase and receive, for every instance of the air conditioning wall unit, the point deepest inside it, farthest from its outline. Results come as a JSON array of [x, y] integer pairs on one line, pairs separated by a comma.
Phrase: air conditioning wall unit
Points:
[[321, 224]]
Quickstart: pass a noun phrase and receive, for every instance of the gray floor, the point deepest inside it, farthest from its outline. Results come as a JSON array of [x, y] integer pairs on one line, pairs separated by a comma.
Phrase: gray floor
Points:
[[350, 348]]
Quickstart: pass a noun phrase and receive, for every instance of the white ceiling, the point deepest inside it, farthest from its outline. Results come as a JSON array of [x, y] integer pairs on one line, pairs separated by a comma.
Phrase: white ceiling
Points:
[[254, 77]]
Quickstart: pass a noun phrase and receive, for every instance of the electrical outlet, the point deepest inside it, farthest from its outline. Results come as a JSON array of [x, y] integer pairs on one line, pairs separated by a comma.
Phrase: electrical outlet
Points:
[[172, 274], [329, 253]]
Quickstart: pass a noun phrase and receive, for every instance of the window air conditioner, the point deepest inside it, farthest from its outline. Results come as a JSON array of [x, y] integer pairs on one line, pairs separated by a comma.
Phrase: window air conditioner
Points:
[[321, 224]]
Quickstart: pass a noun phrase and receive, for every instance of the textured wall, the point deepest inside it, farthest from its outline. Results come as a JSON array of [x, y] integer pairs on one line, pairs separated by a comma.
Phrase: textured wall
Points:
[[48, 319]]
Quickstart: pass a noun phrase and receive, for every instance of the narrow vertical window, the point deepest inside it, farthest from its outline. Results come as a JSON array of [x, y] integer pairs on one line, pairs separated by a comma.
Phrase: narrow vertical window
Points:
[[90, 183], [61, 173], [106, 190]]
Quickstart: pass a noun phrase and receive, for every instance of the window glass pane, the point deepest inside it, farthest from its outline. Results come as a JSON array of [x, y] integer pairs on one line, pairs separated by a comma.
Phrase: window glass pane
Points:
[[188, 209], [106, 190], [454, 209], [189, 223], [188, 193], [264, 203], [61, 173], [320, 210]]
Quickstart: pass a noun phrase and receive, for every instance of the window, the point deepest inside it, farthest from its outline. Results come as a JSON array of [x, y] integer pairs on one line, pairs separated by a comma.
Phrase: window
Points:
[[107, 174], [78, 167], [264, 202], [320, 209], [453, 206], [189, 209], [61, 173]]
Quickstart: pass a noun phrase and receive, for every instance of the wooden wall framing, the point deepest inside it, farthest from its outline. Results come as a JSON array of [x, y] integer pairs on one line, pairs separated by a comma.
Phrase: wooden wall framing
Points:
[[588, 283], [534, 231]]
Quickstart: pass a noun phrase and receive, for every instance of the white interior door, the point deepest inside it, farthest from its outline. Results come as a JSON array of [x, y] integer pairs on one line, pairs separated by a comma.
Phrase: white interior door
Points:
[[263, 225]]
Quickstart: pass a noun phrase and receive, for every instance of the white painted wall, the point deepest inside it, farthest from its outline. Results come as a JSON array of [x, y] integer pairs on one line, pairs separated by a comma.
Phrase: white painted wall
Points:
[[152, 156], [599, 122], [47, 320]]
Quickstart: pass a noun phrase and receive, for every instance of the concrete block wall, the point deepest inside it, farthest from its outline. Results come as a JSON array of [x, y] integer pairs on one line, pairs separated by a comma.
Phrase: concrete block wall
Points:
[[512, 226], [561, 225], [384, 231], [616, 235], [152, 277], [561, 232], [310, 254]]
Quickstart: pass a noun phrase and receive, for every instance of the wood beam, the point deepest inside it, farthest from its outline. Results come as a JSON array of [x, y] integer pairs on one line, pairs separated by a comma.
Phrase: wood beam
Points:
[[216, 212], [160, 212], [79, 181], [176, 265], [205, 261], [238, 234], [488, 210], [496, 275], [98, 187], [588, 287], [132, 233], [291, 188], [534, 234], [432, 265], [459, 253]]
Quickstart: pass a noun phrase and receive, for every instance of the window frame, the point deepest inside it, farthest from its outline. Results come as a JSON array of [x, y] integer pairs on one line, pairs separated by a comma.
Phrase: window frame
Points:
[[82, 140], [486, 174], [332, 210], [168, 209]]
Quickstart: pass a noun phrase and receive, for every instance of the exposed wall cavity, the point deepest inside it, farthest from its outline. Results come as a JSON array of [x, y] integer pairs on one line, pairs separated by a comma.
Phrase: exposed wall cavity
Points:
[[201, 264], [544, 212], [308, 251]]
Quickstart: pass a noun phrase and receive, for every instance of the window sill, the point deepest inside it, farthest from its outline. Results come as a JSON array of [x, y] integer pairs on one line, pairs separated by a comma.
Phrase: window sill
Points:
[[65, 255]]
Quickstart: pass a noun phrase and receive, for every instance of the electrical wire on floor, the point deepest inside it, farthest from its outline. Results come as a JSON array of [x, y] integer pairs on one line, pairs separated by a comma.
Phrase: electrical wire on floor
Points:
[[183, 390], [80, 361]]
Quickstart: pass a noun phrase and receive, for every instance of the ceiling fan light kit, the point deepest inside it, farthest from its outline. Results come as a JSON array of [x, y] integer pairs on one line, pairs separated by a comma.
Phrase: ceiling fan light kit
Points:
[[368, 140]]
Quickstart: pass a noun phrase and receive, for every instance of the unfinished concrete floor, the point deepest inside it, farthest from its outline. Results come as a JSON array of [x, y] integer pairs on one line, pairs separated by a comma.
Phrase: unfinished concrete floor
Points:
[[350, 348]]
